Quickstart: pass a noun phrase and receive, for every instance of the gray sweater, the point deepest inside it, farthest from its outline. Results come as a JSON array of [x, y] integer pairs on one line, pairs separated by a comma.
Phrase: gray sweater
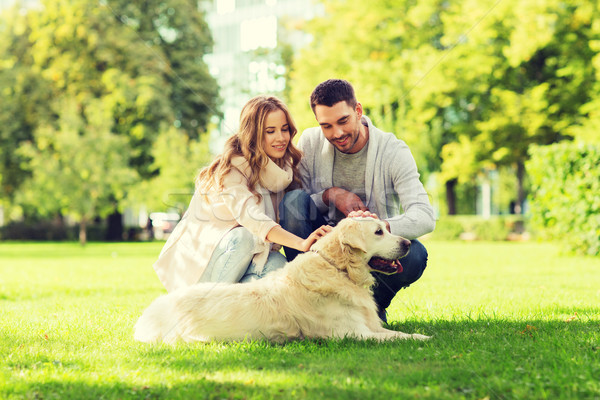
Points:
[[393, 189]]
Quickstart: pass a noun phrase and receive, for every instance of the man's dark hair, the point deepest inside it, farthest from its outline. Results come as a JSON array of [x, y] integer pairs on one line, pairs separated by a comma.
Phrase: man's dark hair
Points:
[[333, 91]]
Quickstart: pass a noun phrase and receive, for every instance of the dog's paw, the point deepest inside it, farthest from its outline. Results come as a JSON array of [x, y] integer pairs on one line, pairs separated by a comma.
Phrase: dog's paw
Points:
[[416, 336]]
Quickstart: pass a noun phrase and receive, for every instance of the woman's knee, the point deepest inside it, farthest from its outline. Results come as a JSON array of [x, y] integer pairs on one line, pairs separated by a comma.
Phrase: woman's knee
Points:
[[240, 239], [275, 261], [231, 257]]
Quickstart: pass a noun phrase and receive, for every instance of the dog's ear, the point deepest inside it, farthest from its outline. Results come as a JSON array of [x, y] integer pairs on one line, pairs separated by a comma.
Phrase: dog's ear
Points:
[[353, 237]]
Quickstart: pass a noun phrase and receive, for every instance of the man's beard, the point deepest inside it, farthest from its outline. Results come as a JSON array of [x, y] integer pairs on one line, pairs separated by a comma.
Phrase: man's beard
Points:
[[356, 137]]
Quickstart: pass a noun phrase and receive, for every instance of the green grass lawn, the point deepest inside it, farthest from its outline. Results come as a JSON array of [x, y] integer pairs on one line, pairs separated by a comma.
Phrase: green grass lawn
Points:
[[509, 320]]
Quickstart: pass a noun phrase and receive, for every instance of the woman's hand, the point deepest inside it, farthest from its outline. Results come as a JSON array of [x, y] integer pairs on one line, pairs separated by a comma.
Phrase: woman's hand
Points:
[[281, 236], [313, 237]]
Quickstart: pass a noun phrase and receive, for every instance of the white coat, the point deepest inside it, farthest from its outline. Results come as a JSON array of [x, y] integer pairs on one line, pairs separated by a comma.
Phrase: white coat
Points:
[[211, 215]]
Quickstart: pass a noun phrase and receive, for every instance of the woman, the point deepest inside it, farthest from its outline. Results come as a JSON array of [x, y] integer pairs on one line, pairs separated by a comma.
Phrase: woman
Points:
[[229, 230]]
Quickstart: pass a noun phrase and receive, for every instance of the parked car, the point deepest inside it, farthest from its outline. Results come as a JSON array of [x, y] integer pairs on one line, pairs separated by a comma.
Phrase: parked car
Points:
[[163, 223]]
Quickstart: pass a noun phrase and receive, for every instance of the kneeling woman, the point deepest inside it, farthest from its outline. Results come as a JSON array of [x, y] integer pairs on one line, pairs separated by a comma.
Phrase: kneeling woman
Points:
[[229, 232]]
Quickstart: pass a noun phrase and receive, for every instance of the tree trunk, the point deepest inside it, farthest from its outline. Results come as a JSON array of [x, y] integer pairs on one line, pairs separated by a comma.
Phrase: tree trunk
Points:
[[520, 188], [114, 232], [451, 196], [82, 232]]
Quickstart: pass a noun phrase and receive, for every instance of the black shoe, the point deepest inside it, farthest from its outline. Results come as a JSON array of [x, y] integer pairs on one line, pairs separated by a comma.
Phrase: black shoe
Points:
[[382, 314]]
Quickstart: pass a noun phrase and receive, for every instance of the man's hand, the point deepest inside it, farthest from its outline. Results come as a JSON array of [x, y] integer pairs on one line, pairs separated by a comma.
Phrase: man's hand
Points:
[[343, 200], [365, 214]]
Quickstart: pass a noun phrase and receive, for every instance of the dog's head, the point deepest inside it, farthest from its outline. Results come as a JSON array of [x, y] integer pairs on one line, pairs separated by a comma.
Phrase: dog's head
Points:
[[364, 241]]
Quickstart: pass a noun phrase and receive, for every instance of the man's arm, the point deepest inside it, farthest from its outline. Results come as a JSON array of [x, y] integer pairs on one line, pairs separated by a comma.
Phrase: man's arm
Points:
[[343, 200], [416, 221], [418, 216], [307, 172]]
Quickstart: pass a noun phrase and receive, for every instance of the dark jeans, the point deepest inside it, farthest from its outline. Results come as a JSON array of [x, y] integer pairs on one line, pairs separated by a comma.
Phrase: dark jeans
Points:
[[299, 214]]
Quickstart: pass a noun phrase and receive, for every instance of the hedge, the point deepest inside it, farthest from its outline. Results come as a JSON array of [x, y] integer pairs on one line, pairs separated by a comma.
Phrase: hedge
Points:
[[565, 194], [475, 227], [47, 230]]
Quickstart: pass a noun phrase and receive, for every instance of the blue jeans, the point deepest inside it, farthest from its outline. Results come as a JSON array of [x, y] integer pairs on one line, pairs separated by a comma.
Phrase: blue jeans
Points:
[[231, 261], [299, 214]]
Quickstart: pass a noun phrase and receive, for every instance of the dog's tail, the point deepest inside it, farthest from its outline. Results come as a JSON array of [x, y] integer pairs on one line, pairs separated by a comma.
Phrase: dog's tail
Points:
[[158, 322]]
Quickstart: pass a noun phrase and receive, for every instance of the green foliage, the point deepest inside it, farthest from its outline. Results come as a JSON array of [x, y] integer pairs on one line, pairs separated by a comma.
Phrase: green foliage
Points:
[[89, 91], [469, 84], [53, 231], [565, 204], [447, 228], [179, 159], [492, 229], [472, 227], [80, 168], [178, 37], [507, 323], [25, 95]]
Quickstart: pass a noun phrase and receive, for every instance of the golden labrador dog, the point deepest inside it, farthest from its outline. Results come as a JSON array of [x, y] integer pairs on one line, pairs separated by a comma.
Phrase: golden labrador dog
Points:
[[324, 293]]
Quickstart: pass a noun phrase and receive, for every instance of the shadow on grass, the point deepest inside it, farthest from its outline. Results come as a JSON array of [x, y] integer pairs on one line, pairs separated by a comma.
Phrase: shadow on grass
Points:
[[200, 388], [66, 292], [485, 345], [492, 358]]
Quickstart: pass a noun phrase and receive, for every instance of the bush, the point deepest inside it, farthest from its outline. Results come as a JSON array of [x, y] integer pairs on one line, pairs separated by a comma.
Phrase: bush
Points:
[[46, 230], [448, 228], [39, 230], [565, 196], [474, 227], [491, 229]]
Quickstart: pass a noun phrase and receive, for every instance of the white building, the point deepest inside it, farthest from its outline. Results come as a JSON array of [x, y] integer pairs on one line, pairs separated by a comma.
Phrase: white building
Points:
[[245, 61]]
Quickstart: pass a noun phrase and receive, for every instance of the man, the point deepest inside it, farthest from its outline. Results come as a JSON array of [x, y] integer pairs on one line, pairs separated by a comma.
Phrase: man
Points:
[[352, 168]]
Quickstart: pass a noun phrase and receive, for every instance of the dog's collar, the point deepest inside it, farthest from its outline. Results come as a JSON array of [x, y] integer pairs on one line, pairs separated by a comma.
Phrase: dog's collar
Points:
[[323, 257]]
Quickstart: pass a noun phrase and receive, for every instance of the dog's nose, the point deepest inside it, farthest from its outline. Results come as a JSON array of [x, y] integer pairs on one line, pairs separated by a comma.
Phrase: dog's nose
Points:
[[406, 242]]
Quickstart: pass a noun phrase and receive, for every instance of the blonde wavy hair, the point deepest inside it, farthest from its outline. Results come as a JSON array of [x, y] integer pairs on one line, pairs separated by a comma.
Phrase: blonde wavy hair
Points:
[[248, 143]]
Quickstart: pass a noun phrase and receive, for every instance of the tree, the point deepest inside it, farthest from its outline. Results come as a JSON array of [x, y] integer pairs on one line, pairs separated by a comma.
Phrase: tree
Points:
[[536, 94], [469, 84], [79, 168], [179, 159], [393, 59], [138, 64], [179, 37], [24, 95]]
